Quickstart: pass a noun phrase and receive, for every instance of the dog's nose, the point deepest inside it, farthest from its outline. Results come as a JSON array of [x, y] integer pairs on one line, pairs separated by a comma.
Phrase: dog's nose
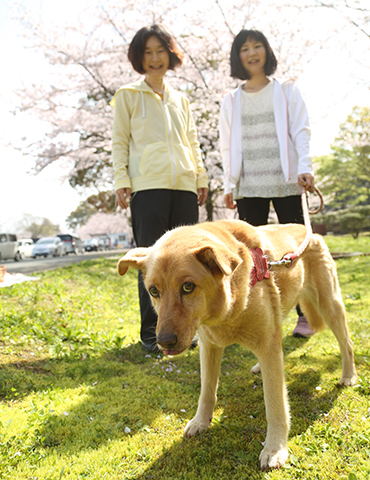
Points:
[[167, 340]]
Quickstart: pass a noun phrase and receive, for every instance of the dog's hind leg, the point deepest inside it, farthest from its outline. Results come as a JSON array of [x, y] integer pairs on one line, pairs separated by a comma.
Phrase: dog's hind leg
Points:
[[210, 363], [326, 304], [335, 317], [275, 452]]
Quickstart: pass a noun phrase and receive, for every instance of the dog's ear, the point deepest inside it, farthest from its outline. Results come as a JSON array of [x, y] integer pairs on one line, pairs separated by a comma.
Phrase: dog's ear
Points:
[[135, 258], [218, 257]]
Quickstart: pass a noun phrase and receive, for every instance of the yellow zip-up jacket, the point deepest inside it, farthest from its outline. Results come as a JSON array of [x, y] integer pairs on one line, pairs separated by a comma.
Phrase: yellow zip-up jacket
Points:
[[154, 142]]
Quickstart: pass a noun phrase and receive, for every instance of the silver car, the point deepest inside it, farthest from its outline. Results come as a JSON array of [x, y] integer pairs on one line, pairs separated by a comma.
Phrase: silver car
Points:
[[49, 246]]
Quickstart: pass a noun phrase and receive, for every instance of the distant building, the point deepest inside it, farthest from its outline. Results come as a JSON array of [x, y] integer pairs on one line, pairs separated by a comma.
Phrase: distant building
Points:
[[119, 240], [116, 240]]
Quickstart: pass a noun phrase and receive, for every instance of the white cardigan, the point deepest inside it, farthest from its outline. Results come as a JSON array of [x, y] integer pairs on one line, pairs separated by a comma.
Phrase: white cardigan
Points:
[[292, 128]]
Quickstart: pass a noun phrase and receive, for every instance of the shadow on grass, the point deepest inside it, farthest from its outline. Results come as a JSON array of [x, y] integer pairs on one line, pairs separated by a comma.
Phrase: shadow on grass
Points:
[[127, 389], [16, 377], [234, 444]]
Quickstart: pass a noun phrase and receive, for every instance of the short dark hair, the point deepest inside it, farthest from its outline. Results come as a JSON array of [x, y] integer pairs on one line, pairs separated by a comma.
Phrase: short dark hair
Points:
[[236, 67], [137, 47]]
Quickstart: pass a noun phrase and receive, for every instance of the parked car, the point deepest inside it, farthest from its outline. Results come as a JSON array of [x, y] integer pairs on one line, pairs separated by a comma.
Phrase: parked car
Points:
[[107, 243], [92, 245], [102, 242], [9, 247], [25, 247], [49, 246], [72, 243]]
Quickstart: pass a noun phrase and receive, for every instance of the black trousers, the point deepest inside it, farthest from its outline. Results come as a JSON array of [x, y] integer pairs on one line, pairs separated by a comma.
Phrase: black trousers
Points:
[[256, 210], [153, 212]]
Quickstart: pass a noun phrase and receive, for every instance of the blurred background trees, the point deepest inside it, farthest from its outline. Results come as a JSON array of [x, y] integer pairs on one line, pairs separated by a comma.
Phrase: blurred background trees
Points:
[[36, 227], [344, 175], [89, 63]]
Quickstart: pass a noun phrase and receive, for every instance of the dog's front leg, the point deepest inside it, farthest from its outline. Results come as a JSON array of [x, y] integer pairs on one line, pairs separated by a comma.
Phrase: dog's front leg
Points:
[[275, 452], [210, 364]]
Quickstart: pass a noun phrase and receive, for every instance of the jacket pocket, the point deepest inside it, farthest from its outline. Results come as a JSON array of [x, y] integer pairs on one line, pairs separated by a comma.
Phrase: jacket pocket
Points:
[[185, 164], [156, 160]]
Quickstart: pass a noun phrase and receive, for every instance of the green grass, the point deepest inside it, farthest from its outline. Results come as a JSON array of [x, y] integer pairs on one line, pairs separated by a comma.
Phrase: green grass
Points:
[[79, 399], [346, 243]]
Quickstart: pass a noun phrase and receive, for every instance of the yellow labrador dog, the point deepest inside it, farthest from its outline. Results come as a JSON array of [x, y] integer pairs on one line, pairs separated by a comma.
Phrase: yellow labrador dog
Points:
[[199, 280]]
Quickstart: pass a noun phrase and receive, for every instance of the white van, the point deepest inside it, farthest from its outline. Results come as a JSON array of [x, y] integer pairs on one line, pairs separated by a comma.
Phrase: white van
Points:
[[25, 247], [9, 247]]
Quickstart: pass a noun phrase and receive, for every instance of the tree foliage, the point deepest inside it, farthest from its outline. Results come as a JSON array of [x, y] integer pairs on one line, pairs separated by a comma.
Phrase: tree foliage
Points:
[[36, 227], [89, 61], [102, 202], [80, 216], [349, 220], [354, 221], [345, 173]]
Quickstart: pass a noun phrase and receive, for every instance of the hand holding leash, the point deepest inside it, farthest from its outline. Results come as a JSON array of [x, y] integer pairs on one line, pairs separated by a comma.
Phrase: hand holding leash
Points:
[[307, 182]]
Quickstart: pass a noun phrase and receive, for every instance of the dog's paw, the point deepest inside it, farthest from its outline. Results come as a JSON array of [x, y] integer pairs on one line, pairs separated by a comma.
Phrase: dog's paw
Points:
[[273, 458], [256, 369], [196, 426], [348, 381]]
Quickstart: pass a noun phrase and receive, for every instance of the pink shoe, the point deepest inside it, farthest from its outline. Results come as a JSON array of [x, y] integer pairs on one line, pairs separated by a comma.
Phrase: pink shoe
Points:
[[302, 328]]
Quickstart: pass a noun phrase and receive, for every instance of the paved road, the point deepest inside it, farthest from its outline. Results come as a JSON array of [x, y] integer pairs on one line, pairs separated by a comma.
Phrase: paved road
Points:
[[30, 265]]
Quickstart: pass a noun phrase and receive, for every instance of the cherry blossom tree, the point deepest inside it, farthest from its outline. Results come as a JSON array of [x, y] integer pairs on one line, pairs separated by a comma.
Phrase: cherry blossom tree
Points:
[[356, 13], [89, 62], [104, 224]]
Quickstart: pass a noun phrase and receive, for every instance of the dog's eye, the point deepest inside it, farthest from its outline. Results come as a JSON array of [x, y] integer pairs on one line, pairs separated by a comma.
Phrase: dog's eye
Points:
[[188, 287], [153, 292]]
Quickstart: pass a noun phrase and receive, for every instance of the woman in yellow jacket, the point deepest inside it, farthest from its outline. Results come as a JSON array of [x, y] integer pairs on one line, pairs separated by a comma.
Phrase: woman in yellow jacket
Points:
[[158, 169]]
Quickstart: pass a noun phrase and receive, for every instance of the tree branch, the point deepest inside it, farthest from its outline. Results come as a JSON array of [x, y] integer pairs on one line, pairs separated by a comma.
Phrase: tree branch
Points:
[[194, 64], [224, 17], [347, 17]]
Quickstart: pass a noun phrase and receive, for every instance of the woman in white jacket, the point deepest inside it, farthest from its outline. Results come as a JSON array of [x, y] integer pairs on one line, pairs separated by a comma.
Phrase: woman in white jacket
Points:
[[264, 134]]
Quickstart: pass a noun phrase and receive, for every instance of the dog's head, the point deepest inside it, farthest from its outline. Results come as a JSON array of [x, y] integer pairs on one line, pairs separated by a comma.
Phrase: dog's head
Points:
[[188, 274]]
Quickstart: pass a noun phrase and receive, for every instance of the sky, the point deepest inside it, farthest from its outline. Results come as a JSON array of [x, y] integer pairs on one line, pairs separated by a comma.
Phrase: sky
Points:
[[21, 192], [328, 95]]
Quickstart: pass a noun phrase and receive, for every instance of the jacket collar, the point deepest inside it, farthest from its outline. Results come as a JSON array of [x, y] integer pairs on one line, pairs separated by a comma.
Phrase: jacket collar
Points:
[[139, 86]]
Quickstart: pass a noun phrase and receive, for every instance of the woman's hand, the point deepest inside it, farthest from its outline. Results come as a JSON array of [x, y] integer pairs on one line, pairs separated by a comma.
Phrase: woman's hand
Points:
[[229, 201], [306, 181], [123, 195], [202, 195]]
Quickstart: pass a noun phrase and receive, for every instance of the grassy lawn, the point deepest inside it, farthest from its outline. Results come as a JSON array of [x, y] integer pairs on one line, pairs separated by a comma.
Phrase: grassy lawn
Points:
[[79, 399], [346, 243]]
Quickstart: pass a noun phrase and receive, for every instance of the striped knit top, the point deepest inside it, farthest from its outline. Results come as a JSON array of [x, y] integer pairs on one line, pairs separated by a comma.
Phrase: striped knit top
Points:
[[261, 174]]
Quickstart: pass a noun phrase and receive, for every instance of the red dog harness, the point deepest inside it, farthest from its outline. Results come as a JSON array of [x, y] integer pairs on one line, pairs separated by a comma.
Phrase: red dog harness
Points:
[[262, 264]]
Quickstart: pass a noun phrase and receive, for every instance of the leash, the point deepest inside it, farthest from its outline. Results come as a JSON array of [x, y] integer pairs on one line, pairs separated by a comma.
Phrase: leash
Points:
[[262, 263], [289, 257]]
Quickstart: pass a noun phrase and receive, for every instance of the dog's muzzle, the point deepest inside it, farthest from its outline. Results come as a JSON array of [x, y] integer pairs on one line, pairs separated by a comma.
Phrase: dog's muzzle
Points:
[[167, 340]]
